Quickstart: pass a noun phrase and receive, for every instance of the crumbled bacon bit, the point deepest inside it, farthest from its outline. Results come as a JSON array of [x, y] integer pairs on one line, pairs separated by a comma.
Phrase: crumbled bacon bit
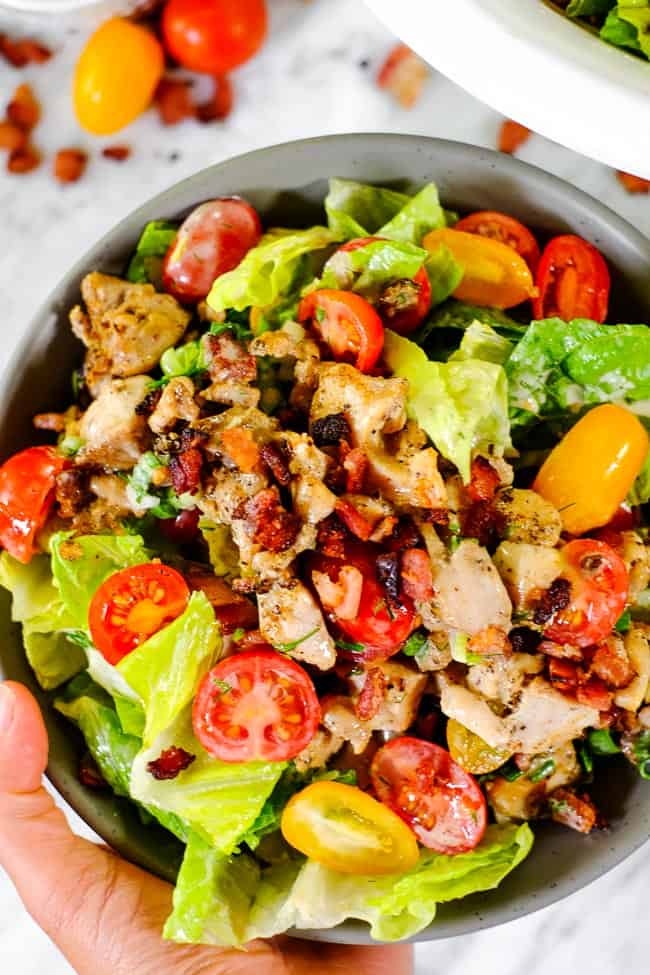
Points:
[[146, 406], [576, 812], [512, 136], [405, 535], [170, 763], [403, 74], [24, 51], [355, 464], [524, 640], [276, 463], [50, 421], [564, 675], [229, 360], [185, 470], [398, 297], [23, 109], [372, 694], [71, 492], [219, 105], [117, 153], [23, 160], [331, 537], [612, 664], [484, 480], [11, 136], [353, 519], [480, 520], [554, 599], [329, 431], [240, 446], [489, 642], [173, 100], [594, 694], [387, 571], [633, 184], [562, 651], [69, 165], [232, 610], [271, 525], [89, 773], [384, 529], [417, 578]]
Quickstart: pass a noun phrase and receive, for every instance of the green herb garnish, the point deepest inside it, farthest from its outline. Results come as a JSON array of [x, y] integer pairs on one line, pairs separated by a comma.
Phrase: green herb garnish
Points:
[[601, 742], [415, 644], [542, 771], [624, 622], [288, 647], [350, 647]]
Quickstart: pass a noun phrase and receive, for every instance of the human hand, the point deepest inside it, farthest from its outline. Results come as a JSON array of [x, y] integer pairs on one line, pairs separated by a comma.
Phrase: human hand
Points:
[[105, 914]]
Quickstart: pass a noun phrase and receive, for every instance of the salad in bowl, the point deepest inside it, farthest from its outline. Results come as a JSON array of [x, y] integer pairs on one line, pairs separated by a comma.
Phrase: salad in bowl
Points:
[[338, 557]]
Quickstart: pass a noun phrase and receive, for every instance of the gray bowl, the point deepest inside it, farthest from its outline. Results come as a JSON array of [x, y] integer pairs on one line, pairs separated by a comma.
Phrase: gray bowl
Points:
[[287, 184]]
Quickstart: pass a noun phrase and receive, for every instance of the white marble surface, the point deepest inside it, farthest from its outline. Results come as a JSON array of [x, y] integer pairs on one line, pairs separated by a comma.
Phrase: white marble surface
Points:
[[315, 76]]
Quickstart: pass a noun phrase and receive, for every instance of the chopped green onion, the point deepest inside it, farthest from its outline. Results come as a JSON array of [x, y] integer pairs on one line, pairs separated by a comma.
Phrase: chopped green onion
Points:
[[601, 742], [350, 647], [239, 634], [624, 622], [223, 686], [70, 446], [585, 757], [509, 771], [288, 647], [415, 644], [542, 771]]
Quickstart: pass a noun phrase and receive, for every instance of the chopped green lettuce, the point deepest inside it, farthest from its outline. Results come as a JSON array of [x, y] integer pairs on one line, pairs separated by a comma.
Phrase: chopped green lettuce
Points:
[[638, 15], [185, 360], [270, 270], [480, 341], [620, 32], [220, 800], [222, 551], [589, 8], [421, 214], [146, 263], [165, 670], [360, 210], [463, 406], [367, 269]]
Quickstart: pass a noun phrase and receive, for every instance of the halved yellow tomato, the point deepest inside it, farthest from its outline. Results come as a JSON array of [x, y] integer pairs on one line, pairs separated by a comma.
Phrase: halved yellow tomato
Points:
[[471, 752], [341, 827], [495, 274], [590, 472]]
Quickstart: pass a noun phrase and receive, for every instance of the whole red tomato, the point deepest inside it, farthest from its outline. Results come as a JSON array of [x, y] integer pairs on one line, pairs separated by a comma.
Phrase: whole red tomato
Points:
[[214, 36]]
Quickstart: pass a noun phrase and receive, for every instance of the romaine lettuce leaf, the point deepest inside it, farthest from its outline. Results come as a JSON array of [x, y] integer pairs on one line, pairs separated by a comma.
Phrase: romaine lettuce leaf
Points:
[[560, 367], [269, 271], [589, 8], [482, 342], [146, 263], [165, 670], [80, 565], [421, 214], [212, 897], [220, 800], [367, 269], [222, 551], [360, 210], [463, 406], [619, 32], [445, 274], [639, 17]]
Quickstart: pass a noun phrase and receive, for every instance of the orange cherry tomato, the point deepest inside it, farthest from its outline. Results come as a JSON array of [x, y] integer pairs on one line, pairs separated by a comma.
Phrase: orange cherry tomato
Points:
[[590, 472], [214, 36], [347, 830], [347, 323], [132, 605], [116, 76], [495, 275], [598, 593], [507, 230], [572, 281], [27, 482]]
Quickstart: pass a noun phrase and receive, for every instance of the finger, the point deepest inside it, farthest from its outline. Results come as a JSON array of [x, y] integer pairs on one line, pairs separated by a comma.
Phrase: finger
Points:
[[304, 957]]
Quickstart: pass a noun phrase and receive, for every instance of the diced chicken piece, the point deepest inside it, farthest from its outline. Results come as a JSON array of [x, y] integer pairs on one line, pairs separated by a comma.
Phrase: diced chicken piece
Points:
[[225, 492], [319, 750], [290, 617], [567, 767], [261, 427], [528, 517], [469, 593], [290, 342], [113, 490], [631, 698], [231, 394], [340, 719], [176, 403], [475, 714], [403, 690], [304, 457], [544, 718], [519, 800], [437, 653], [501, 677], [114, 435], [312, 500], [527, 570], [636, 556], [127, 326]]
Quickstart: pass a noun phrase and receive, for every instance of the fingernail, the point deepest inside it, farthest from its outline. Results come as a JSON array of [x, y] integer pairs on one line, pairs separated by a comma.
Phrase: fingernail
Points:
[[7, 704]]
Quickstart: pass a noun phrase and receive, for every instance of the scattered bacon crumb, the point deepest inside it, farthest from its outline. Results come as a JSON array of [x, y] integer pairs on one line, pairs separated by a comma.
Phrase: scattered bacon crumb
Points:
[[276, 463], [23, 109], [353, 519], [576, 812], [331, 537], [219, 106], [564, 675], [69, 165], [403, 74], [484, 480], [23, 160], [24, 51], [170, 763], [355, 464], [118, 153], [512, 136], [372, 694], [633, 184], [271, 525], [50, 421], [417, 578], [594, 694], [11, 136], [173, 99], [185, 470], [612, 664], [489, 641]]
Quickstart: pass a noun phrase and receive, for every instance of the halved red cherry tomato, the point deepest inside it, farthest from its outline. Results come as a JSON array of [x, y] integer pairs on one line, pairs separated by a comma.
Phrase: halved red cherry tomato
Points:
[[415, 307], [27, 482], [132, 605], [347, 323], [214, 36], [507, 230], [380, 628], [572, 281], [442, 803], [256, 705], [212, 240], [599, 590]]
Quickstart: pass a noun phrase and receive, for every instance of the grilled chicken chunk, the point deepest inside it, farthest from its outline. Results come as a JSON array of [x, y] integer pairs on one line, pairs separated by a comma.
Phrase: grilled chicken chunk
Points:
[[176, 403], [290, 617], [527, 570], [469, 592], [114, 435]]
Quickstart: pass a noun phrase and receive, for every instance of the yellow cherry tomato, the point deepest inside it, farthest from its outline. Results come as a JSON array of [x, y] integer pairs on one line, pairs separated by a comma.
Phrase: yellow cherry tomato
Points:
[[471, 752], [116, 76], [495, 274], [346, 830], [590, 472]]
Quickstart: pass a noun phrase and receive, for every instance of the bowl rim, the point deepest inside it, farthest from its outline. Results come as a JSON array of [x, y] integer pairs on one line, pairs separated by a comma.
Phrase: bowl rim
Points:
[[353, 932]]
